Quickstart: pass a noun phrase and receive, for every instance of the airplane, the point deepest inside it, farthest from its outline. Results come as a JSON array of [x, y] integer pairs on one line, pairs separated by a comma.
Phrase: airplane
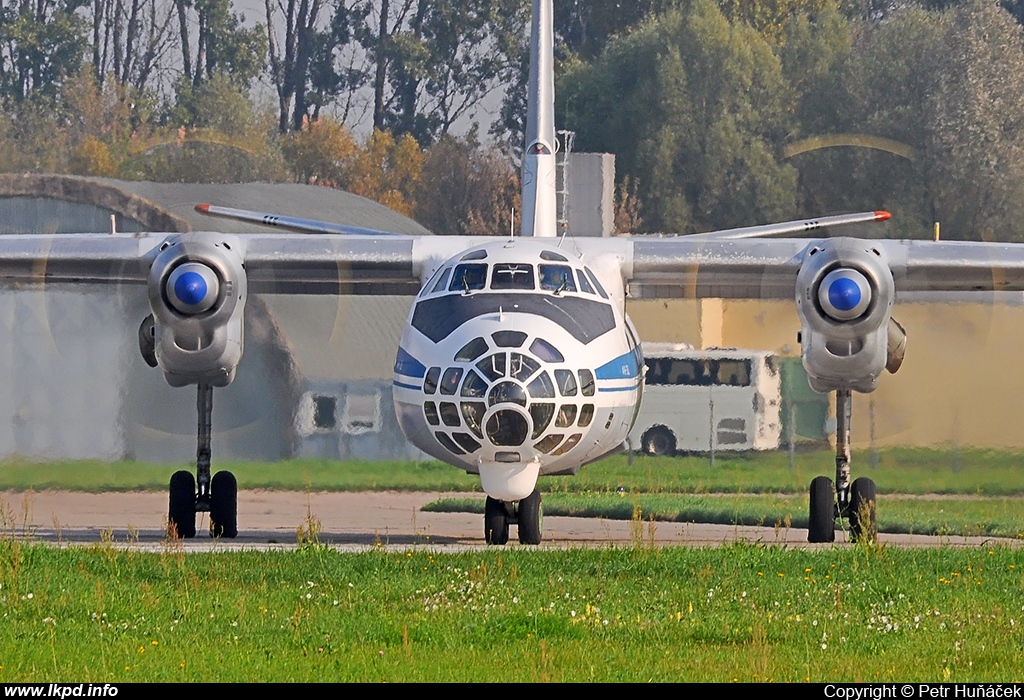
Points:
[[518, 359]]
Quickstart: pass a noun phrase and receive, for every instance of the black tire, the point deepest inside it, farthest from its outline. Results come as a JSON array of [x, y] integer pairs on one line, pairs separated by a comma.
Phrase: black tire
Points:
[[224, 505], [863, 511], [181, 514], [495, 522], [821, 526], [530, 516], [658, 442]]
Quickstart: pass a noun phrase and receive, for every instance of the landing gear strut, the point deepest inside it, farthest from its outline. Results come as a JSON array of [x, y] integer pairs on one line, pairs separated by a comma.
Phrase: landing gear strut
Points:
[[217, 496], [855, 502], [527, 514]]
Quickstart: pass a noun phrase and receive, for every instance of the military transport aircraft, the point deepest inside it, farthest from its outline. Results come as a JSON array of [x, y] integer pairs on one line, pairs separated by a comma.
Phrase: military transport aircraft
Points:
[[518, 359]]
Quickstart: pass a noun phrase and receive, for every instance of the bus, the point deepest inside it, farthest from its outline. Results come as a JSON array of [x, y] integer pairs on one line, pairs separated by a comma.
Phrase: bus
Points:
[[707, 400]]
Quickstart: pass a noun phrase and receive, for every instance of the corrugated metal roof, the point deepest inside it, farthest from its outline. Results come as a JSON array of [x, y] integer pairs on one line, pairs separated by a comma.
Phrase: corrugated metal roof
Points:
[[306, 201]]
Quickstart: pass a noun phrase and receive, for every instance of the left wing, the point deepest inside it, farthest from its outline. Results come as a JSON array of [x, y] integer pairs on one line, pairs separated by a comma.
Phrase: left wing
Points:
[[768, 269]]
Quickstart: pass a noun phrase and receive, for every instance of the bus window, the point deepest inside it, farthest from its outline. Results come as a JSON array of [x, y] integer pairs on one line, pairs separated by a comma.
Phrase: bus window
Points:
[[732, 372], [688, 372]]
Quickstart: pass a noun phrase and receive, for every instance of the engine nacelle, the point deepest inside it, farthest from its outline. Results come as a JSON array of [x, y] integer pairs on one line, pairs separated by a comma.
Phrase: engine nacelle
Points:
[[197, 290], [844, 297]]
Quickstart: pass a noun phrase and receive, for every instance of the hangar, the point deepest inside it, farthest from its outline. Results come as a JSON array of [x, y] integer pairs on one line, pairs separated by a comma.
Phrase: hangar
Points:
[[72, 381]]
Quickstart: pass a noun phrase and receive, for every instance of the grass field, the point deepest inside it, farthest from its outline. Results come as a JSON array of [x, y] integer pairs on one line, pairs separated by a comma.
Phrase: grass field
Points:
[[916, 471], [747, 613], [968, 517]]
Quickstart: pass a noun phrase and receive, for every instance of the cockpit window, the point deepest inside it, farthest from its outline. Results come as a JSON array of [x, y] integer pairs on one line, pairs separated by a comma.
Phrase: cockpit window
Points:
[[509, 339], [430, 382], [475, 386], [566, 382], [597, 283], [541, 387], [443, 282], [587, 382], [557, 278], [430, 282], [450, 380], [584, 284], [512, 276], [523, 366], [546, 351], [474, 255], [493, 367], [469, 277], [552, 255], [471, 350]]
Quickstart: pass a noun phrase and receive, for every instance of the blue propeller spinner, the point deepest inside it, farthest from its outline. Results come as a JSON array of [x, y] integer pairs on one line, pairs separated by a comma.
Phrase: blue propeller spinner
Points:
[[192, 288], [844, 294]]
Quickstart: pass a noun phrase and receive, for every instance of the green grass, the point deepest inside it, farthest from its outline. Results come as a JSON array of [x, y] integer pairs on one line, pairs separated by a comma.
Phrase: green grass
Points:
[[994, 473], [289, 475], [982, 516], [745, 612], [898, 470]]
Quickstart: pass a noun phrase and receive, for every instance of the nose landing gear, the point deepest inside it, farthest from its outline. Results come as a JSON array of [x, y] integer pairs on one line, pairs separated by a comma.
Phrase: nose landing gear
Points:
[[217, 496], [527, 514], [857, 502]]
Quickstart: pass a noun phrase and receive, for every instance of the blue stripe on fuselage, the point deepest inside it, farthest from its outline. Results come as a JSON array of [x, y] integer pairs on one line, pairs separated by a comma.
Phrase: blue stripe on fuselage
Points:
[[631, 387], [409, 366], [622, 367]]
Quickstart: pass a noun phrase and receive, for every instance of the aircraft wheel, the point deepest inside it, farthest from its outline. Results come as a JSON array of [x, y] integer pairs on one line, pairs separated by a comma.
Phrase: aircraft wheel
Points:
[[658, 441], [821, 526], [495, 522], [863, 509], [224, 505], [531, 519], [181, 515]]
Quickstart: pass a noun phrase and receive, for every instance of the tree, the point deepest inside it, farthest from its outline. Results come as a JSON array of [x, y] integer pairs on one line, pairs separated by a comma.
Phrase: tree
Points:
[[695, 109], [130, 40], [975, 149], [222, 44], [42, 43], [304, 59], [435, 60], [467, 190], [322, 152]]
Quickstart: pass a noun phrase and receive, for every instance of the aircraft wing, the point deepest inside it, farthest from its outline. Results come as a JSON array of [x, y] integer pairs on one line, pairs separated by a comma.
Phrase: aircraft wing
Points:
[[684, 266], [768, 269], [274, 263]]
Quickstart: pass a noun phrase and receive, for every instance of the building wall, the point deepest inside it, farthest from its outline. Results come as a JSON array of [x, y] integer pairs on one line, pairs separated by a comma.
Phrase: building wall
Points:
[[962, 382]]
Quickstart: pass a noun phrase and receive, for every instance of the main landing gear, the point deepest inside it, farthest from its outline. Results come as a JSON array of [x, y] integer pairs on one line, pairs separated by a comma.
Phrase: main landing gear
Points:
[[855, 502], [217, 496], [527, 514]]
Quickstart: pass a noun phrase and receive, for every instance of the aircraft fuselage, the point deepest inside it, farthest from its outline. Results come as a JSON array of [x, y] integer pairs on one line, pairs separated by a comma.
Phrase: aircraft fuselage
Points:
[[518, 361]]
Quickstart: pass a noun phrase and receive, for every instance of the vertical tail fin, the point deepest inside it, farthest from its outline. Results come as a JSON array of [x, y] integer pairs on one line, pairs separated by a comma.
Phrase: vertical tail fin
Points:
[[539, 214]]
